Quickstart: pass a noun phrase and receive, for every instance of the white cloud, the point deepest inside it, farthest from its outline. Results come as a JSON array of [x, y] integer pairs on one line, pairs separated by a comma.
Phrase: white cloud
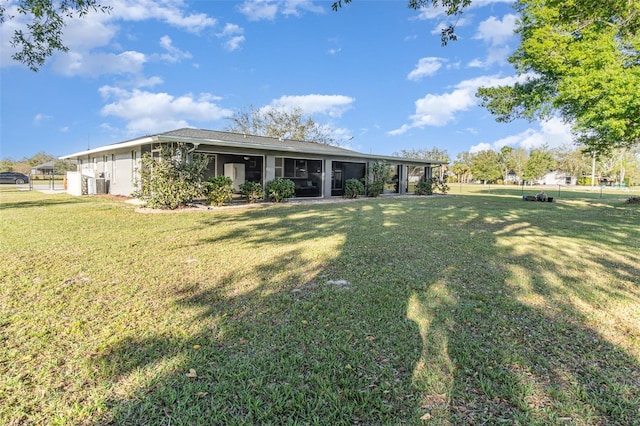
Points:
[[96, 30], [332, 105], [169, 11], [552, 133], [426, 67], [428, 13], [234, 35], [495, 31], [76, 63], [258, 10], [483, 146], [441, 109], [173, 53], [39, 118], [149, 112], [293, 7]]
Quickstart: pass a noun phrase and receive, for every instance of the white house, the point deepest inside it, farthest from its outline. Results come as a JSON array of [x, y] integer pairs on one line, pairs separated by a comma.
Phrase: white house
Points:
[[317, 170]]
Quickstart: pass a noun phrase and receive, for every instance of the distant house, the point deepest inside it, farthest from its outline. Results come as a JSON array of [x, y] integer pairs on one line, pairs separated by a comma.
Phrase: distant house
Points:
[[556, 177], [317, 170], [44, 169]]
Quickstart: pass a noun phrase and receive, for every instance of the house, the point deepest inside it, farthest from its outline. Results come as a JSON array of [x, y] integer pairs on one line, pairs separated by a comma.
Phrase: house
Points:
[[557, 177], [317, 170], [44, 169]]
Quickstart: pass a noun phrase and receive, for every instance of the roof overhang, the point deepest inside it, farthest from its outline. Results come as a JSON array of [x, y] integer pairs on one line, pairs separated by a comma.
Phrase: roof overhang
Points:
[[199, 142]]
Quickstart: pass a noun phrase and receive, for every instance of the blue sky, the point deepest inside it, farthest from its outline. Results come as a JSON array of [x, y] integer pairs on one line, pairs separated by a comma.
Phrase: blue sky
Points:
[[373, 73]]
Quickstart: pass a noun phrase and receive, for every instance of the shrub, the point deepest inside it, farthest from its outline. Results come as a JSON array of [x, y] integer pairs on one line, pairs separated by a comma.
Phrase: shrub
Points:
[[219, 190], [353, 188], [280, 189], [173, 179], [251, 191], [379, 174], [424, 187]]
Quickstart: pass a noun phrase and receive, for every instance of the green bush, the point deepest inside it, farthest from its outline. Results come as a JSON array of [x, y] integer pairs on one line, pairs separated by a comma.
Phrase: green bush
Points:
[[375, 189], [424, 187], [173, 179], [379, 174], [251, 191], [280, 189], [219, 190], [353, 188]]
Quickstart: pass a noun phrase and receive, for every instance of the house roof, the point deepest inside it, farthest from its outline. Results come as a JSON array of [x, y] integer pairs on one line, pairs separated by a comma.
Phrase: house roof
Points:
[[229, 139], [49, 165]]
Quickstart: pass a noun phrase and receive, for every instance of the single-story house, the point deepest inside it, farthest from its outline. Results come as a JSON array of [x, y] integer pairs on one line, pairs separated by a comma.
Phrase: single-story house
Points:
[[44, 169], [318, 170], [557, 177]]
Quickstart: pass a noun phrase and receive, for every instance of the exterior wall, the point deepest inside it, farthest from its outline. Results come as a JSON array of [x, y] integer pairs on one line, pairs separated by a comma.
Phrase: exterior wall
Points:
[[558, 178], [117, 168]]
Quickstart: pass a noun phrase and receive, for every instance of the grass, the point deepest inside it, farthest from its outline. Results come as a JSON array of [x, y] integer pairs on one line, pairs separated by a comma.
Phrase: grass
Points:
[[466, 309]]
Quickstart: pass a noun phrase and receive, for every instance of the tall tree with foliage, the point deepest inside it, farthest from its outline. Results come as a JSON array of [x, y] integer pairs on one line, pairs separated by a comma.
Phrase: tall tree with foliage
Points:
[[540, 163], [485, 166], [517, 160], [573, 162], [462, 166], [42, 35], [580, 59], [277, 123], [503, 155]]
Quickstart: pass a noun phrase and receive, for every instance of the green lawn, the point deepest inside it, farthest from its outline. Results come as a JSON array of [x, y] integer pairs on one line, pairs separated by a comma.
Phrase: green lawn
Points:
[[473, 308]]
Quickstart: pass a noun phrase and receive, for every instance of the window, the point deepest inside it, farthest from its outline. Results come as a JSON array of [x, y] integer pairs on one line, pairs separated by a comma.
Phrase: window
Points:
[[291, 168]]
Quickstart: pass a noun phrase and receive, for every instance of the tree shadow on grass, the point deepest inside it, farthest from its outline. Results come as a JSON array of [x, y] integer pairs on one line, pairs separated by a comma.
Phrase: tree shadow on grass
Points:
[[516, 332], [447, 312], [278, 342]]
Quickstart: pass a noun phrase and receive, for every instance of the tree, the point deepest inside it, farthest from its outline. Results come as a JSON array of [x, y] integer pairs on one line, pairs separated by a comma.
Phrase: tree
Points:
[[504, 154], [462, 166], [540, 163], [426, 154], [6, 165], [275, 123], [42, 36], [485, 166], [579, 59], [517, 160], [573, 162], [39, 158]]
